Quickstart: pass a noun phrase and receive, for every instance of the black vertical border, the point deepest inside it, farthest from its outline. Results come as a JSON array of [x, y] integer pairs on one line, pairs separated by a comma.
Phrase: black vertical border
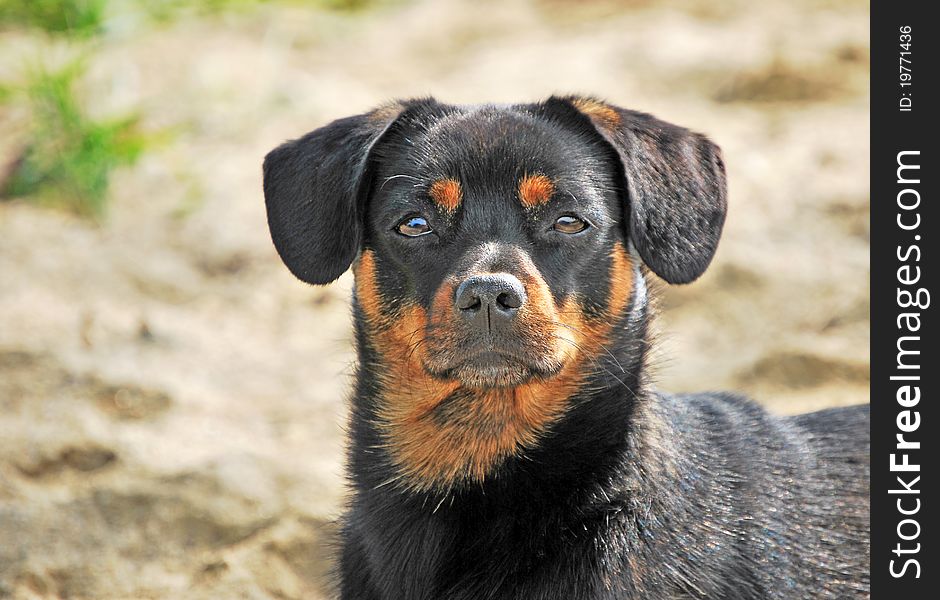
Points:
[[894, 131]]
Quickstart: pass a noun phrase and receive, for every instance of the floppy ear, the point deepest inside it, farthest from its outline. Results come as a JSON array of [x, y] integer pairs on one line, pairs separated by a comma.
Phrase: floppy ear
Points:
[[676, 185], [314, 191]]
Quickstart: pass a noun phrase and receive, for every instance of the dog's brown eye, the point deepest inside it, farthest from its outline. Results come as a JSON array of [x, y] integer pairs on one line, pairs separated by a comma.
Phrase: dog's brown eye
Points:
[[570, 224], [414, 226]]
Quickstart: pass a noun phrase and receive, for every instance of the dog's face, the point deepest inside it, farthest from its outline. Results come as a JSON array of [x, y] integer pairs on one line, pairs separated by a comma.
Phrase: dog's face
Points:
[[502, 227], [491, 251]]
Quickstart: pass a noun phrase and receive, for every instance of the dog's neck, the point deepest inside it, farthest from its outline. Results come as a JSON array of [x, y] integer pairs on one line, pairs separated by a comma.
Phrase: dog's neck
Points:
[[425, 435]]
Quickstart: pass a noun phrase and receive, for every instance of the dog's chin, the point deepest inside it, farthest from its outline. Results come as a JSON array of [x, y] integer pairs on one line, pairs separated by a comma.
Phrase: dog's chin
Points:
[[496, 370]]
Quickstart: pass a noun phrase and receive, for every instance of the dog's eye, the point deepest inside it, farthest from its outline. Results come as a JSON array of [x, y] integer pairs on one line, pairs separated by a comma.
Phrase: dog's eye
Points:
[[413, 226], [570, 224]]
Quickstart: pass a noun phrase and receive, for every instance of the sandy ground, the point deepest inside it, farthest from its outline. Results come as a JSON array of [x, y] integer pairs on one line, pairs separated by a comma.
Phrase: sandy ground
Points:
[[172, 401]]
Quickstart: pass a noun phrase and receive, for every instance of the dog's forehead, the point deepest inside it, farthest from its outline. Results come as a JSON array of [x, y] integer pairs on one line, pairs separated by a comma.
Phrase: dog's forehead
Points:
[[490, 141], [485, 150]]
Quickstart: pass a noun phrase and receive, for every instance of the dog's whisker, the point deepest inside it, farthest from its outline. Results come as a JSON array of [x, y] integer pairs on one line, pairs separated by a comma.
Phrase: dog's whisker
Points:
[[597, 364], [400, 176], [439, 505], [602, 346], [387, 482]]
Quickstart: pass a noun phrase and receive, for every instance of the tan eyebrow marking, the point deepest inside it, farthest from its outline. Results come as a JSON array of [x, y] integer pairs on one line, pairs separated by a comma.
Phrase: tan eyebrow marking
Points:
[[535, 190], [446, 193]]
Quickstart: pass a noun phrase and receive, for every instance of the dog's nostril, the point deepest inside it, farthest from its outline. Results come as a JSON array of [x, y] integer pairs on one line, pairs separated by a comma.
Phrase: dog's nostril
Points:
[[509, 300], [469, 303], [468, 296]]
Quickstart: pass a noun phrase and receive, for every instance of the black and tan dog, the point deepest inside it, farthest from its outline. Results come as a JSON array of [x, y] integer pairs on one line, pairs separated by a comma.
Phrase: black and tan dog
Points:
[[504, 441]]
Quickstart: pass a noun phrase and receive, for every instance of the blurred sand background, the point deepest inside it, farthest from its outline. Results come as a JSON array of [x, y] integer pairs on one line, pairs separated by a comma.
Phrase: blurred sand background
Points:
[[172, 400]]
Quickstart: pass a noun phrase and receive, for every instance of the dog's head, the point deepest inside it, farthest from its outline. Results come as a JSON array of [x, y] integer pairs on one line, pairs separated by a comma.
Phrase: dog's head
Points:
[[493, 251]]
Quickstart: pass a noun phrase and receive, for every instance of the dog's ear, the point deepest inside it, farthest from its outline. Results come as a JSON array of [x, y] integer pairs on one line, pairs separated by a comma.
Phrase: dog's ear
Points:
[[314, 191], [676, 186]]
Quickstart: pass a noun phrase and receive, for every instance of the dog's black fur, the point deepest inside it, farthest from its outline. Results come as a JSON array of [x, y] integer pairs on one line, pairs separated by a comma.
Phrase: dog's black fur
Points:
[[622, 491]]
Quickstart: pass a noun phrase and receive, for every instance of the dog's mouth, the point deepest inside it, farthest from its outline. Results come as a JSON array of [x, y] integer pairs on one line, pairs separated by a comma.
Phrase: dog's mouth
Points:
[[496, 369], [493, 329]]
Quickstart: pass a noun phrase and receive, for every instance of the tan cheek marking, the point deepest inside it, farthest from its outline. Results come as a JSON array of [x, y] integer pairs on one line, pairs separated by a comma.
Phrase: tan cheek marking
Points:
[[600, 112], [447, 194], [398, 336], [621, 282], [442, 324], [367, 292], [535, 190], [540, 318], [592, 335], [399, 340]]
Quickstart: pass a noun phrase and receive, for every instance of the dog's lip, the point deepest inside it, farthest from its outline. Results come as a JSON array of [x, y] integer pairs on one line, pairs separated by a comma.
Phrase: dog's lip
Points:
[[493, 358], [492, 361]]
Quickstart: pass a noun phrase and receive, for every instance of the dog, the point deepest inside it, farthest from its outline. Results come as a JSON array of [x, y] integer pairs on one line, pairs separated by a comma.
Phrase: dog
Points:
[[504, 440]]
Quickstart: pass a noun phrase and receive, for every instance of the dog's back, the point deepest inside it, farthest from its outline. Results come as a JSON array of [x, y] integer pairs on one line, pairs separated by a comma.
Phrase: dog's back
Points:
[[790, 495]]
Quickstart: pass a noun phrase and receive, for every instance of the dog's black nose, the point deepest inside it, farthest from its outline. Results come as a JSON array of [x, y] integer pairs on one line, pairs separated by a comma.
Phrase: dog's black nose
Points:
[[490, 301]]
